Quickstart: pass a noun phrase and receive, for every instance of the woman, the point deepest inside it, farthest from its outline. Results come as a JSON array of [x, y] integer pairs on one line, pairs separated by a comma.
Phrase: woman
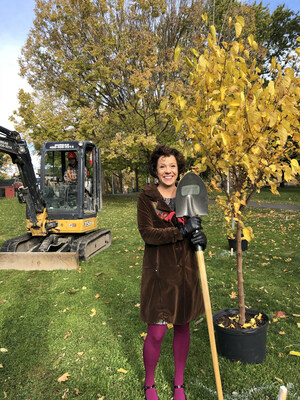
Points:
[[170, 290]]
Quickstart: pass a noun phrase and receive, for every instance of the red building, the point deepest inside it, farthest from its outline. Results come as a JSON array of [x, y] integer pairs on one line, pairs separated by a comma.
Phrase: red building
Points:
[[7, 188]]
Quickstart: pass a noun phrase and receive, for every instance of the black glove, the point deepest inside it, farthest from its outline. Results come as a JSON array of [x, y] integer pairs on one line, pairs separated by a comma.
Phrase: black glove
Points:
[[193, 224], [199, 239]]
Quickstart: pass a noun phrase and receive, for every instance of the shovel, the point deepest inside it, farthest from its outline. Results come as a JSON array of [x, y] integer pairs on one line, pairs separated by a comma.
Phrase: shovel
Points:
[[191, 200]]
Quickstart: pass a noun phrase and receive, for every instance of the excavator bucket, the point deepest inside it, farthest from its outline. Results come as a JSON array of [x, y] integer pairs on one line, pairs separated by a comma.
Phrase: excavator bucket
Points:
[[30, 261]]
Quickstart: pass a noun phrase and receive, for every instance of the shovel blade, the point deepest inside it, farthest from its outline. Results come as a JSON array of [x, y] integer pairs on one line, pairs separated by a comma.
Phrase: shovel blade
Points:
[[191, 196]]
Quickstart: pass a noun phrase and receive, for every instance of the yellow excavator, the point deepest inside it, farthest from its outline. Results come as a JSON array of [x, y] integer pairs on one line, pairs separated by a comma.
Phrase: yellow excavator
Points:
[[61, 210]]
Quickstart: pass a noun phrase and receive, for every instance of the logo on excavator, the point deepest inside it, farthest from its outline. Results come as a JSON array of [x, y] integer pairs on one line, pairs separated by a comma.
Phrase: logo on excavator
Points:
[[66, 146], [5, 145], [88, 223]]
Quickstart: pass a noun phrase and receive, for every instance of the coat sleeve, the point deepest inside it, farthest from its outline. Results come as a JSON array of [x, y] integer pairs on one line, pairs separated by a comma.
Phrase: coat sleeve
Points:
[[154, 235]]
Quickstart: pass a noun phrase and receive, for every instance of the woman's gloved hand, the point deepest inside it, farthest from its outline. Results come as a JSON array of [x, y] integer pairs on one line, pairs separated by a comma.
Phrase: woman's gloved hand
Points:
[[199, 239], [193, 224]]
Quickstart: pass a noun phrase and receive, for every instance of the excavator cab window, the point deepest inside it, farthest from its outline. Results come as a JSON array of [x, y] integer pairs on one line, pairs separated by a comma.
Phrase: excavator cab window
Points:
[[71, 182], [89, 198], [60, 182]]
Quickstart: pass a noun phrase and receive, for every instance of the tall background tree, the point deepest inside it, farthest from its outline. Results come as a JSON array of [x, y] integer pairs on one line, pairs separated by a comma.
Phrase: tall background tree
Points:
[[3, 166], [99, 70]]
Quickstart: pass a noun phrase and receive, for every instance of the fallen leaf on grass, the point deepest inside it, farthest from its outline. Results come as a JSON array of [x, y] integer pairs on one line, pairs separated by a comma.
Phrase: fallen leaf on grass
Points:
[[294, 353], [281, 333], [280, 314], [1, 366], [97, 296], [122, 370], [233, 295], [3, 350], [298, 324], [76, 391], [64, 377], [73, 291], [144, 335], [279, 380], [67, 335], [93, 312]]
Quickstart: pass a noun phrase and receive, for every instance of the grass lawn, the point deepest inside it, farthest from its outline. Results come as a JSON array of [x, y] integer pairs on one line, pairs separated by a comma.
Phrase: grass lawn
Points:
[[86, 323], [287, 195]]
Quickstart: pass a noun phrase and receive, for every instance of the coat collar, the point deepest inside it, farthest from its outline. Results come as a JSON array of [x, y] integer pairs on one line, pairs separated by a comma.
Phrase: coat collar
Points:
[[154, 195]]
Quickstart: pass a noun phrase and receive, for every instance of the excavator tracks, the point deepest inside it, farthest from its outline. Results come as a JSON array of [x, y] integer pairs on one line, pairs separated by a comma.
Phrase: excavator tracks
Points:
[[85, 246], [91, 243]]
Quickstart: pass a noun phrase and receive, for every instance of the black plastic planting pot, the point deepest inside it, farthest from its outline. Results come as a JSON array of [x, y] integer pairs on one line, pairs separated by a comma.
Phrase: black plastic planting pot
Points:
[[245, 345]]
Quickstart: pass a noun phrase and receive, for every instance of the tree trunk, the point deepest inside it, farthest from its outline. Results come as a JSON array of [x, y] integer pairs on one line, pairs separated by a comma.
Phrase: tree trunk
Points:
[[108, 185], [121, 181], [136, 180], [239, 261]]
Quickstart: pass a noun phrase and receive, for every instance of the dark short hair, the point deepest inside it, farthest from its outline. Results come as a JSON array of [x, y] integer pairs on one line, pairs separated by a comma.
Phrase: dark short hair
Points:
[[162, 150]]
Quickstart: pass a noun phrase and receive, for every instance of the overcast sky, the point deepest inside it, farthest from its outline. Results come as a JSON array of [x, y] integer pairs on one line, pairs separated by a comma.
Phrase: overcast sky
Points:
[[16, 21]]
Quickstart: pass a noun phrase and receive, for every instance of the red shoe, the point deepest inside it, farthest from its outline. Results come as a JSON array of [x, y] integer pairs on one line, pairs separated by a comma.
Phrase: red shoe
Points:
[[148, 387], [180, 387]]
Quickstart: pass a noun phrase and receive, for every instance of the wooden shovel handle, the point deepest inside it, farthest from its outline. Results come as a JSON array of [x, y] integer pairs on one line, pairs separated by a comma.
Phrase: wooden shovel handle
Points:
[[207, 306], [282, 393]]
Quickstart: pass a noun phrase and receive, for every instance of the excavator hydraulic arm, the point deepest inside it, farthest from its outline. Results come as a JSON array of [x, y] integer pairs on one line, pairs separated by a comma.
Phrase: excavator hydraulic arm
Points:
[[12, 144]]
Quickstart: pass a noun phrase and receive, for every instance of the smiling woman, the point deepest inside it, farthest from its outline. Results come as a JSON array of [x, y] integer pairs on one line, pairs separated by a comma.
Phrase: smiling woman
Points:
[[170, 290]]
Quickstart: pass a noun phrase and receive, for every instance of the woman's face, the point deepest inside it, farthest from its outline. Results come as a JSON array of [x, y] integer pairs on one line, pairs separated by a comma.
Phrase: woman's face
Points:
[[167, 170]]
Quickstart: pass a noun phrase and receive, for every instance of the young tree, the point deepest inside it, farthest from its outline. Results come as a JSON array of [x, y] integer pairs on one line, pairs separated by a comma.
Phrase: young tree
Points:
[[237, 123]]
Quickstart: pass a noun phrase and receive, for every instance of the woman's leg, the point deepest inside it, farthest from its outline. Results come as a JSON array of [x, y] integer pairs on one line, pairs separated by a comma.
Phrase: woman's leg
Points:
[[151, 353], [181, 343]]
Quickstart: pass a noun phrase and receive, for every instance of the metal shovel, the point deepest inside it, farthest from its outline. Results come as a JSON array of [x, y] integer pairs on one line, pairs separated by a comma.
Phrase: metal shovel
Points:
[[191, 200]]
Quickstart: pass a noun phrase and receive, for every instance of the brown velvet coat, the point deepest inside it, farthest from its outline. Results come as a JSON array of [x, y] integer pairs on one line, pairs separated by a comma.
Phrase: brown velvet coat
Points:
[[170, 288]]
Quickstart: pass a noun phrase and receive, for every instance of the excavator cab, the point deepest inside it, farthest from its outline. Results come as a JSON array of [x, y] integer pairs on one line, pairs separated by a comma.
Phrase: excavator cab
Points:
[[70, 179]]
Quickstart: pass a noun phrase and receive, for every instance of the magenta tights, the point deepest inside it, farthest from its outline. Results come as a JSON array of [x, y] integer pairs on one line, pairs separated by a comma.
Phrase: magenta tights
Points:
[[151, 353]]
